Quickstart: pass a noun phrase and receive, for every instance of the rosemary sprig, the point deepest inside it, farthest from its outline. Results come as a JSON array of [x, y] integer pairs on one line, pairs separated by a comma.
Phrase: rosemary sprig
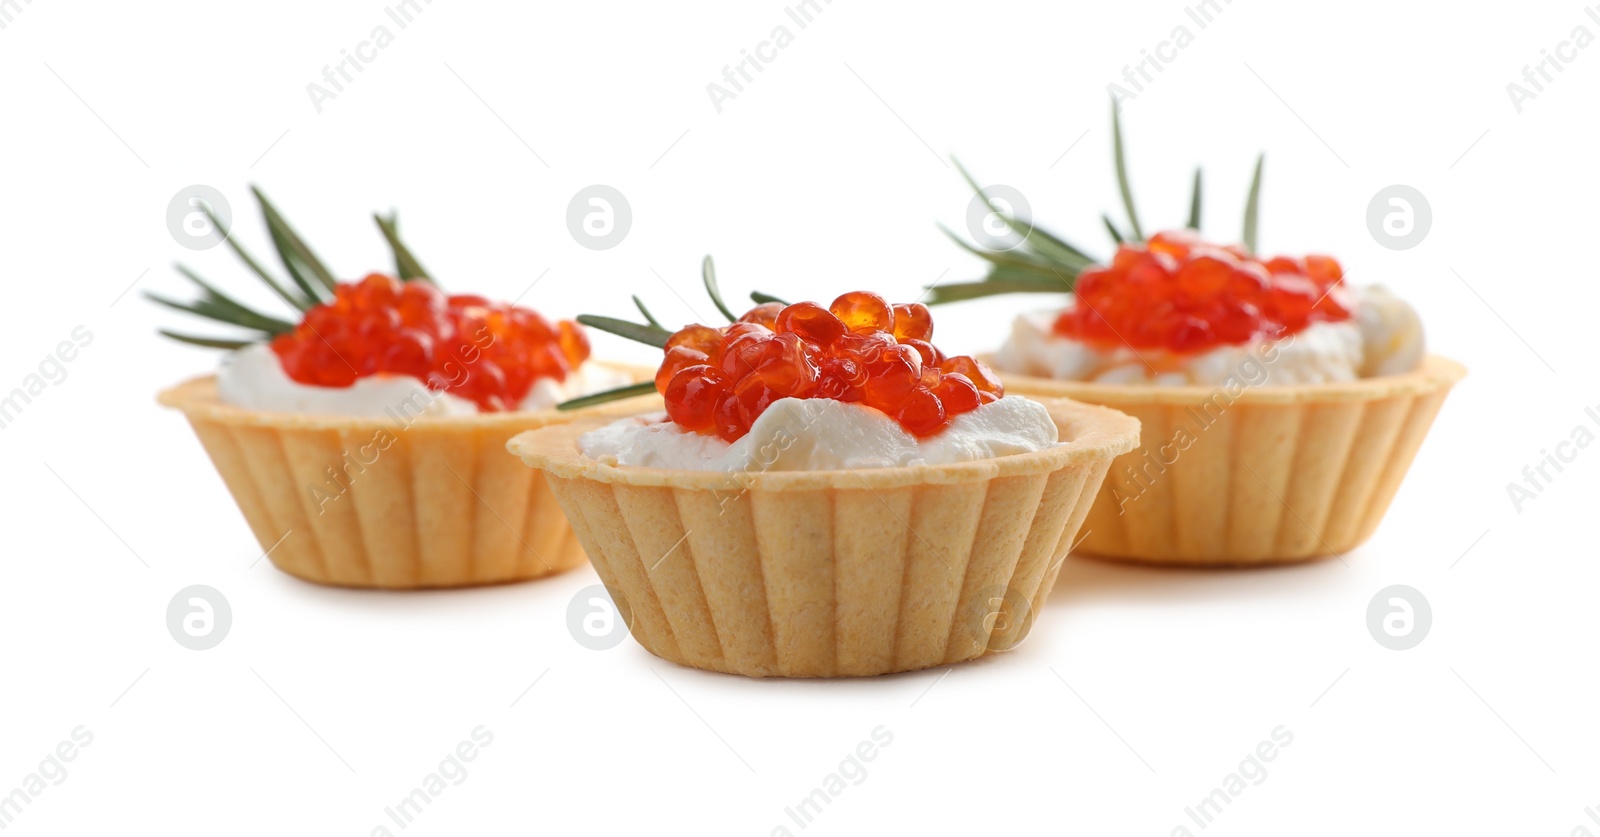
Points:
[[960, 291], [651, 333], [405, 264], [219, 310], [1016, 259], [1037, 240], [208, 342], [302, 264], [300, 302], [1252, 207], [1194, 202], [273, 324], [311, 280], [309, 276], [1112, 229], [593, 398], [708, 273], [1040, 263], [1047, 263], [1120, 157], [648, 317]]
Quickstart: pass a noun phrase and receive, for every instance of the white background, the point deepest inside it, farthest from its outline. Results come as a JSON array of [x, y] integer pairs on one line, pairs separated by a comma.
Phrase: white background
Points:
[[1139, 689]]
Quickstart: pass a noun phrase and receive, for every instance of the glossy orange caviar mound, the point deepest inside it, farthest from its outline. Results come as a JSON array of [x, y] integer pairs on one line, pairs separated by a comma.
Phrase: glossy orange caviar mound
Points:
[[489, 353], [1178, 293], [859, 349]]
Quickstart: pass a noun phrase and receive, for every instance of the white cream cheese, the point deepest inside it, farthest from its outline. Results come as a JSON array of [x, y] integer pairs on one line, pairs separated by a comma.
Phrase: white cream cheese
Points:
[[253, 378], [1391, 333], [819, 434], [1383, 338]]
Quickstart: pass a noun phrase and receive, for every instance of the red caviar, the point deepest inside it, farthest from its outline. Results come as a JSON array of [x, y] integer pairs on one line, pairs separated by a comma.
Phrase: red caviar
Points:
[[1181, 294], [489, 353], [859, 349]]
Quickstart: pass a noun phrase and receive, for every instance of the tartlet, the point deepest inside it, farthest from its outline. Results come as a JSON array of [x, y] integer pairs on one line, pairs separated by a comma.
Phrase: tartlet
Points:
[[1257, 448], [363, 438], [1283, 474], [832, 573], [824, 568], [430, 503]]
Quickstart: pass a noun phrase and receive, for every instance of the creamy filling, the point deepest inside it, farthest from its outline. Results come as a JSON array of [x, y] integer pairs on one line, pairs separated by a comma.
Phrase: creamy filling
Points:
[[254, 379], [1384, 337], [820, 434]]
